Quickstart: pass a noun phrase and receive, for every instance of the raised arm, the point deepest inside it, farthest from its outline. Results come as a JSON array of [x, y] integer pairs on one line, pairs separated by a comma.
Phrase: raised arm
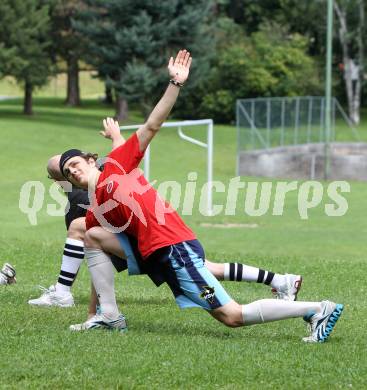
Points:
[[178, 70]]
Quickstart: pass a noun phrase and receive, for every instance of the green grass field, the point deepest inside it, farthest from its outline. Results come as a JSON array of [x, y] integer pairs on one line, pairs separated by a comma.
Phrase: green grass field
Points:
[[165, 347], [90, 87]]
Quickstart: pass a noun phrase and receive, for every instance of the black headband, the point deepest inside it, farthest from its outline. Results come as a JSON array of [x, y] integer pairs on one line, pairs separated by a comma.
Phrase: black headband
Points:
[[67, 156]]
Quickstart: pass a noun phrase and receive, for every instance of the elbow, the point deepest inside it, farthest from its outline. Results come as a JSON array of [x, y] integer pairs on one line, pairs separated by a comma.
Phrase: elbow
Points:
[[153, 126]]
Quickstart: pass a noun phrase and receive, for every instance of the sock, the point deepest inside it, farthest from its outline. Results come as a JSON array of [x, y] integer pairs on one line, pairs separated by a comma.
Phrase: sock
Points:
[[103, 278], [242, 272], [71, 261], [267, 310]]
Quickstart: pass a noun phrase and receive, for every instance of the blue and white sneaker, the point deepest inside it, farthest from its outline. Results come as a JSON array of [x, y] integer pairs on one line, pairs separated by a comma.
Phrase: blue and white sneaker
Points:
[[100, 321], [322, 324]]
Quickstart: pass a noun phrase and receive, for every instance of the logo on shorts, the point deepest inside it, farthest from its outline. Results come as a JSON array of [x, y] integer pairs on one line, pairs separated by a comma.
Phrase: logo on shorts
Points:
[[208, 294]]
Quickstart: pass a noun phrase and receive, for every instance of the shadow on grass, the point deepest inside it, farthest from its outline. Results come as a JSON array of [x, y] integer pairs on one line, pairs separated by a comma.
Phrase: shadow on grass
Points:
[[46, 102], [54, 118], [215, 332], [133, 301]]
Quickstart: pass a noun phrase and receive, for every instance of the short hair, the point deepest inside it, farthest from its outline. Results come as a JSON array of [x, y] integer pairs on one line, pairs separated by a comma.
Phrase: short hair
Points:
[[66, 156]]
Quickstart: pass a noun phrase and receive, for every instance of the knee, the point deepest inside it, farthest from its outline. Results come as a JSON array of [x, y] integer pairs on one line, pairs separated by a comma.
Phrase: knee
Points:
[[92, 239], [229, 315], [215, 269], [232, 322], [77, 229]]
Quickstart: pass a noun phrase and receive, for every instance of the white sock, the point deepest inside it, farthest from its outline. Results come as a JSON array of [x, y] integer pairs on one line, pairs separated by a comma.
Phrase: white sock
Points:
[[266, 310], [103, 278], [242, 272], [71, 261]]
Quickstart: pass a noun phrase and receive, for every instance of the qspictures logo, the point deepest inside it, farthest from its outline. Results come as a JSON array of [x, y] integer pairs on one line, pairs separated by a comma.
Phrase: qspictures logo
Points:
[[249, 198], [120, 189]]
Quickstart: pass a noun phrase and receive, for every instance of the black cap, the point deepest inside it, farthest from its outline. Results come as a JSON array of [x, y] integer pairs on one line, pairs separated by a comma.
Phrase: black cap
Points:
[[67, 156]]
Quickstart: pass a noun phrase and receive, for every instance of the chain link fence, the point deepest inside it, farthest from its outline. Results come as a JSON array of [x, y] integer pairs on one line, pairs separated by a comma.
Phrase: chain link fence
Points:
[[285, 136]]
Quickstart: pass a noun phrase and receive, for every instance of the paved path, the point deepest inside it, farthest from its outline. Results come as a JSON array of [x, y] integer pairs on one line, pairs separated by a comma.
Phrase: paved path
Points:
[[6, 97]]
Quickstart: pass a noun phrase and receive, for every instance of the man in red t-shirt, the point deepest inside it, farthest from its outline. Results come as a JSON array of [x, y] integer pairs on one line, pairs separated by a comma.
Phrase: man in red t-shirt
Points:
[[123, 201]]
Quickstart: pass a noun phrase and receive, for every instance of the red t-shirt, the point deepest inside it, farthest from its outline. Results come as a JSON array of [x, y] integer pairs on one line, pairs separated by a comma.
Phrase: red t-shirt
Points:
[[125, 201]]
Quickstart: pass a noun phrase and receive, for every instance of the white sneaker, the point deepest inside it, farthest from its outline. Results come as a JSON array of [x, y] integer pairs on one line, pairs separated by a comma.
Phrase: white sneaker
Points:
[[100, 321], [3, 279], [322, 324], [51, 297], [7, 274], [289, 290]]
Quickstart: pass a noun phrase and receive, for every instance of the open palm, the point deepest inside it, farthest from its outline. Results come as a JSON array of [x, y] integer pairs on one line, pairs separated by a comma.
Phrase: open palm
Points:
[[179, 67]]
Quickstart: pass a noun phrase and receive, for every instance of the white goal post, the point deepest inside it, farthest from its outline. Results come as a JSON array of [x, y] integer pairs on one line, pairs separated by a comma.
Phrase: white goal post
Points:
[[208, 146]]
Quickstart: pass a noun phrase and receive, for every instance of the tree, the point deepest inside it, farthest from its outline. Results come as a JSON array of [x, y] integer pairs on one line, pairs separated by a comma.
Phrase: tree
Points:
[[129, 42], [25, 40], [350, 17], [271, 62], [68, 44]]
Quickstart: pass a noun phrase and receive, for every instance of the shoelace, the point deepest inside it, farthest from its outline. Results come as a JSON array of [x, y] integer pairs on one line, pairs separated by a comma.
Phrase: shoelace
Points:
[[45, 290]]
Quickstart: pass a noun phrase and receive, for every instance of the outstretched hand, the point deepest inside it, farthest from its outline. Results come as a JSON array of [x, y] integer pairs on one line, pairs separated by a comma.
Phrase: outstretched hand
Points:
[[111, 129], [179, 67]]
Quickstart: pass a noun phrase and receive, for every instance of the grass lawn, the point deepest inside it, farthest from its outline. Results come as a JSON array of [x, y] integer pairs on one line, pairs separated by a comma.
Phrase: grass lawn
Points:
[[166, 347], [90, 86]]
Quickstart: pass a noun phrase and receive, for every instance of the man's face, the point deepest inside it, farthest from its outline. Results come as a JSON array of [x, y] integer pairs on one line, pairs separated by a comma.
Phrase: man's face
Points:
[[77, 170]]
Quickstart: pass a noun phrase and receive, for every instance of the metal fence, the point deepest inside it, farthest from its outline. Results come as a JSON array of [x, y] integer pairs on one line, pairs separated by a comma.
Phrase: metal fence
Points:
[[264, 123]]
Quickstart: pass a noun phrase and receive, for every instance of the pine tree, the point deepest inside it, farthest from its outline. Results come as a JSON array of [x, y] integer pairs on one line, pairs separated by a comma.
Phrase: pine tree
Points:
[[25, 42], [130, 42]]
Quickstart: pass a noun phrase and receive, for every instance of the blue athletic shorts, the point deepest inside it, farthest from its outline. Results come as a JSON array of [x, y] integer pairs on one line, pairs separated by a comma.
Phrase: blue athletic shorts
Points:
[[182, 267]]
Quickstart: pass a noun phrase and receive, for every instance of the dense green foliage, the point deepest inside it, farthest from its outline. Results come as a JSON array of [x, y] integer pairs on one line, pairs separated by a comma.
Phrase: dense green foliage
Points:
[[130, 43], [271, 62], [25, 41], [168, 348], [241, 48]]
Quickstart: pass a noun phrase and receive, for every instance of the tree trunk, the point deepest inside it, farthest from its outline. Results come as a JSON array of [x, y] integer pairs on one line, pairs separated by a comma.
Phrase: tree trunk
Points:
[[27, 106], [352, 84], [358, 87], [108, 99], [121, 108], [73, 91]]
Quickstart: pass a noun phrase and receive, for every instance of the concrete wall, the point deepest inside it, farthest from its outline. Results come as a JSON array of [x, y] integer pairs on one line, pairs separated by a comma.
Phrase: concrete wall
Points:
[[348, 162]]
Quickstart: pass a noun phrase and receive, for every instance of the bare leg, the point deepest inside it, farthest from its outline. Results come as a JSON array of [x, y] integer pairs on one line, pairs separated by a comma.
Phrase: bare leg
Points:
[[77, 229]]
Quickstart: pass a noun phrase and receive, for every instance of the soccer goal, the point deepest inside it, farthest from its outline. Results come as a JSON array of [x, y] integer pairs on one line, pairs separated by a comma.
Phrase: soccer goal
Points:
[[208, 145]]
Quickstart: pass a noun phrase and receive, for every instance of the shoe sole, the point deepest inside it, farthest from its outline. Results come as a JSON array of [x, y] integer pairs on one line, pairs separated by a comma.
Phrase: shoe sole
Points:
[[41, 305], [74, 328], [334, 316]]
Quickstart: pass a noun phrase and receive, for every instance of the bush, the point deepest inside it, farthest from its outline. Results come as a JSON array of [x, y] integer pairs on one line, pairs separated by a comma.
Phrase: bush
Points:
[[220, 105], [269, 63]]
